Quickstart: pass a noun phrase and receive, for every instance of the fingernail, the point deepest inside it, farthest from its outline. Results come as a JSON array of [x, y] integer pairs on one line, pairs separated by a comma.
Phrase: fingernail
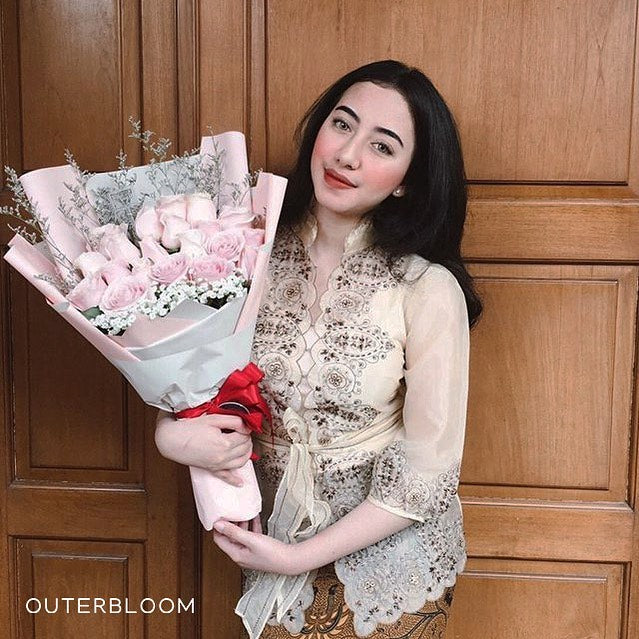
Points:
[[219, 526]]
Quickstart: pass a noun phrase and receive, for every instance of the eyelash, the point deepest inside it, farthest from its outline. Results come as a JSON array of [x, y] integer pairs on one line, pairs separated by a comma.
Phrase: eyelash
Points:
[[338, 121], [382, 147], [387, 150]]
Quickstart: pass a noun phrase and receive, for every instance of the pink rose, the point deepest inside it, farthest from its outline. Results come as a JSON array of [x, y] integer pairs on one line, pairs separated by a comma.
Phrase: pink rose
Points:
[[89, 262], [172, 268], [211, 268], [124, 292], [142, 267], [192, 243], [226, 244], [173, 226], [152, 250], [200, 208], [87, 293], [114, 270], [116, 245], [253, 237], [147, 224], [247, 261], [235, 217], [171, 205], [99, 232], [209, 230]]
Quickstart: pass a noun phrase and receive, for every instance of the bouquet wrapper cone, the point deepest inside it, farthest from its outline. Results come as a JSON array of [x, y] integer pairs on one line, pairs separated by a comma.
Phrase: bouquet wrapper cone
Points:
[[182, 369], [215, 499]]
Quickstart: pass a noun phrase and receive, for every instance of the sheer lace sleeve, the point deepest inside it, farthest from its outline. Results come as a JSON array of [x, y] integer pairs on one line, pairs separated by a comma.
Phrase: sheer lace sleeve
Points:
[[417, 475]]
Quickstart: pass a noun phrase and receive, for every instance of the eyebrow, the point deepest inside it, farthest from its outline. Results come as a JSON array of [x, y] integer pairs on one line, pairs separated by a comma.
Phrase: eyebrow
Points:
[[379, 129]]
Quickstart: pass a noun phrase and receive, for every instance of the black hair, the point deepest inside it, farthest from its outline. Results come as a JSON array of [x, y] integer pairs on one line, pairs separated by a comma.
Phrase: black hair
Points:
[[428, 220]]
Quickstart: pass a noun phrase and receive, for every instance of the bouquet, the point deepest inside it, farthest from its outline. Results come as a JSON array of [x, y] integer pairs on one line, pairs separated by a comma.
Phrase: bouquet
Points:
[[161, 267]]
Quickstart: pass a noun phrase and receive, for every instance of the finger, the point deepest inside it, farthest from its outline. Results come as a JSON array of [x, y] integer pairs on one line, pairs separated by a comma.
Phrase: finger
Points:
[[256, 525], [237, 440], [228, 422], [238, 462], [244, 525], [233, 532], [232, 422], [226, 545], [230, 478]]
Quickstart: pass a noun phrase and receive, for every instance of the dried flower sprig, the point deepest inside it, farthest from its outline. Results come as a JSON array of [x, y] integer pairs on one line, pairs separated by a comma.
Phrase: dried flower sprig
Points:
[[35, 227]]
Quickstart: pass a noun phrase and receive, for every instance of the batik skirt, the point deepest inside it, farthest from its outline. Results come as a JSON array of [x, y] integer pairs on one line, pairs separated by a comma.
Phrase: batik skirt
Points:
[[329, 617]]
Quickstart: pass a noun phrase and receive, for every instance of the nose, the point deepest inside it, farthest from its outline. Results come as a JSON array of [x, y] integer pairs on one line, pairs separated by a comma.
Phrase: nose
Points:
[[348, 155]]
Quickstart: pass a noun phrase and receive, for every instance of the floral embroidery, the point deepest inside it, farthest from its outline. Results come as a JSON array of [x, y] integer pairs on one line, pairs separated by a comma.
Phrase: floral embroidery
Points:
[[401, 572], [293, 619], [397, 485], [343, 482], [270, 467], [331, 417]]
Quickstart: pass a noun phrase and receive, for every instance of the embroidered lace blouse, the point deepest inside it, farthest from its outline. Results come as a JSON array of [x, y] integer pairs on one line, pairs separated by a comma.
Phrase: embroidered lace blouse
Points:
[[368, 402]]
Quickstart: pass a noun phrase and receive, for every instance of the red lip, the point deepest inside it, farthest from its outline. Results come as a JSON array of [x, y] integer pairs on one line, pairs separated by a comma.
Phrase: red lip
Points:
[[335, 177]]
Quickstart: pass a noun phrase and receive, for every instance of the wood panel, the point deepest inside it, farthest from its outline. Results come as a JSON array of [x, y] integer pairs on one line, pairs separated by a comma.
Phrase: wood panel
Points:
[[88, 503], [542, 91], [230, 71], [10, 143], [520, 225], [158, 28], [75, 89], [74, 417], [222, 79], [49, 571], [563, 380], [553, 530], [493, 600]]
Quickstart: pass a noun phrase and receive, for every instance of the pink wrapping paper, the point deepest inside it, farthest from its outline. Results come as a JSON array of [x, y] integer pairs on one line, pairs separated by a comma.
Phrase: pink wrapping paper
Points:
[[181, 364]]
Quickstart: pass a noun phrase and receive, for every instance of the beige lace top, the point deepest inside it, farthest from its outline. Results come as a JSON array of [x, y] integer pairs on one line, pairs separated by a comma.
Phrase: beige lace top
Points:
[[369, 402]]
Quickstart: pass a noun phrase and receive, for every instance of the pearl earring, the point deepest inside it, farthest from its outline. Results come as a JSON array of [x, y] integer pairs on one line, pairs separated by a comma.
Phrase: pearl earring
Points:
[[399, 191]]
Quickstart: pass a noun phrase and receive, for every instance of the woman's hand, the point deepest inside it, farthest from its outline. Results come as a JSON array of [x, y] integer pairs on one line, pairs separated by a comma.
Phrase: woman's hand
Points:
[[254, 550], [200, 441]]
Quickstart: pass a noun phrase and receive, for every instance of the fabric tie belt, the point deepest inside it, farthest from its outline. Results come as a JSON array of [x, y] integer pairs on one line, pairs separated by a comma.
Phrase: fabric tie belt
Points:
[[294, 504]]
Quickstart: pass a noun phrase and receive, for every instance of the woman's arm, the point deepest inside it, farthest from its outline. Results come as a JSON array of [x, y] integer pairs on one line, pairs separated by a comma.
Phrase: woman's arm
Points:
[[363, 526], [414, 477], [202, 442]]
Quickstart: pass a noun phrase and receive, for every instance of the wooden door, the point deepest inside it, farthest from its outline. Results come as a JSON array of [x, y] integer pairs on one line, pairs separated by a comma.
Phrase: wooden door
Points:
[[545, 95], [90, 511]]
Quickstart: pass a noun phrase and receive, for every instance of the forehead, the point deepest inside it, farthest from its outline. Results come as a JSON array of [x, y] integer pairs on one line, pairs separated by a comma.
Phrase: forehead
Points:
[[379, 106]]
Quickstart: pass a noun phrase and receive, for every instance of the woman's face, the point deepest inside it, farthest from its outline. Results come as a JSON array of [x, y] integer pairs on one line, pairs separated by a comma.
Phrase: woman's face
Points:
[[362, 150]]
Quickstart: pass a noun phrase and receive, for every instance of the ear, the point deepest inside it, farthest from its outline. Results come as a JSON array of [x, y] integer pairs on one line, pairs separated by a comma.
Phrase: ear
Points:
[[399, 191]]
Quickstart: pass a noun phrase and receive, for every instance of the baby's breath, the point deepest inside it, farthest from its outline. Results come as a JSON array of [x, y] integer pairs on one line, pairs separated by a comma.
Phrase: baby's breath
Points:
[[163, 298]]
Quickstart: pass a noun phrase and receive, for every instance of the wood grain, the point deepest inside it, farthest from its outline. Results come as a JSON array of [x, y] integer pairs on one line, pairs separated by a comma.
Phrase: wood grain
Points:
[[222, 71], [493, 600], [73, 89], [50, 570], [549, 530], [541, 91], [553, 410]]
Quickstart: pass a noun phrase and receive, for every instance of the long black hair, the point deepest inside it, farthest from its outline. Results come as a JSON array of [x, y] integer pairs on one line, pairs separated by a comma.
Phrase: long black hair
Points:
[[429, 219]]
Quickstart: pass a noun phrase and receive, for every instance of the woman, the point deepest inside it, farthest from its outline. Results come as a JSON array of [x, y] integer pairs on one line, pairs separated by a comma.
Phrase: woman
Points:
[[363, 335]]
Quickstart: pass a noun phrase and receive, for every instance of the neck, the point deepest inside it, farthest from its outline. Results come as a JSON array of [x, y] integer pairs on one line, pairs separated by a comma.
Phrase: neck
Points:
[[332, 229]]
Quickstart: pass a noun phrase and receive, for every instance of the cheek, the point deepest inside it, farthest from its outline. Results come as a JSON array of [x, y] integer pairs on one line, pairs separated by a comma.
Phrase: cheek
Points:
[[384, 178], [321, 148]]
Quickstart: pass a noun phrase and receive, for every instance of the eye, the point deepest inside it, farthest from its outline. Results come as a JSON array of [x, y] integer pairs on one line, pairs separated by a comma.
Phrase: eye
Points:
[[382, 147], [340, 124]]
